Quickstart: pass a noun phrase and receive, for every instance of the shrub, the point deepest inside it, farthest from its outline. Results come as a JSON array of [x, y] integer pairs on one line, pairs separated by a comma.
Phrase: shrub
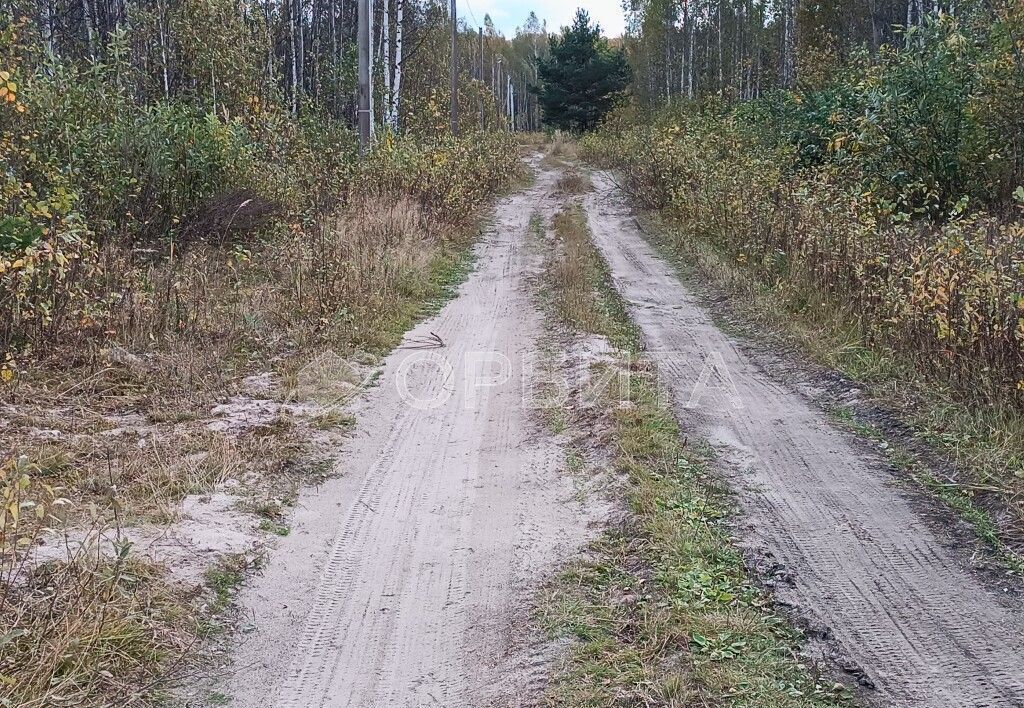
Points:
[[947, 297], [926, 124], [450, 177], [886, 191], [100, 189]]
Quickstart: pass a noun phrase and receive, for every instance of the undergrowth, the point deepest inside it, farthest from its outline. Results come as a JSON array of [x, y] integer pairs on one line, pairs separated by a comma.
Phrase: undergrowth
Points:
[[91, 632], [88, 630], [984, 444], [875, 216]]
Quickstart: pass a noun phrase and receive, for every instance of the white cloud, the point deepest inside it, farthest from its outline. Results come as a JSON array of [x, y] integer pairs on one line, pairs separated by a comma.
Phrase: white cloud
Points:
[[509, 14]]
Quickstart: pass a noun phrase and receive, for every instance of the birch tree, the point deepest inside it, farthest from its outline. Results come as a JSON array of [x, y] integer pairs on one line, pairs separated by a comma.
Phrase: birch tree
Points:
[[396, 88], [789, 44], [385, 60]]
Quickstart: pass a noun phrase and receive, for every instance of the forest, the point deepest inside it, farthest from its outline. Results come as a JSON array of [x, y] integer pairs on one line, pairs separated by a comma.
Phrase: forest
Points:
[[138, 124], [237, 241]]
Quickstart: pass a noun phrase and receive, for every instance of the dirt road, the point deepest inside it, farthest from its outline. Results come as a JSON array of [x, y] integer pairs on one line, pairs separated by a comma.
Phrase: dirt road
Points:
[[859, 560], [406, 581], [403, 581]]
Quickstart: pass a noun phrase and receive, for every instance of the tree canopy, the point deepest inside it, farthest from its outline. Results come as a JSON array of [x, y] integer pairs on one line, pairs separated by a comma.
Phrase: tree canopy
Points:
[[582, 77]]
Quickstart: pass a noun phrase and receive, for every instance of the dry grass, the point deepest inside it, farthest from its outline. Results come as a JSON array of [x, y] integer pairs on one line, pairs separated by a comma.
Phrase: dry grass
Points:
[[561, 153], [94, 629], [564, 146], [91, 632], [577, 278], [572, 272], [532, 142], [133, 413], [573, 182], [365, 263], [119, 429], [150, 464]]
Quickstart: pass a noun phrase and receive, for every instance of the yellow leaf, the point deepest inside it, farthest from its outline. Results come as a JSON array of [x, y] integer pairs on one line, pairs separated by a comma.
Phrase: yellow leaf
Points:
[[6, 375]]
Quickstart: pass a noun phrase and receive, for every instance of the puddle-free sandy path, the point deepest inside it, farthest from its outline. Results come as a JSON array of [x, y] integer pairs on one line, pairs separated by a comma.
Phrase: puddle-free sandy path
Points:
[[857, 557], [402, 581]]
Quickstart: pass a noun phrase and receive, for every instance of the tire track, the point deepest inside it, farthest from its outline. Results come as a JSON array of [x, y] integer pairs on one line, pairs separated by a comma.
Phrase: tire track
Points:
[[403, 580], [901, 604]]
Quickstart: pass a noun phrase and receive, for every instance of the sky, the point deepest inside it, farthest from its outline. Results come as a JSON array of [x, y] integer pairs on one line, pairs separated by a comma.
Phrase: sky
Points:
[[509, 14]]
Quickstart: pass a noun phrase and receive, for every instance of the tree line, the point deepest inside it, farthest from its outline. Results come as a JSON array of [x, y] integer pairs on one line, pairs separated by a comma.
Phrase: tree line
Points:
[[744, 48], [301, 54]]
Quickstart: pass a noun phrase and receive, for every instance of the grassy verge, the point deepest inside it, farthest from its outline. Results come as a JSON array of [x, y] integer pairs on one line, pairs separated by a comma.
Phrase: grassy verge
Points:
[[662, 611], [969, 457], [91, 632]]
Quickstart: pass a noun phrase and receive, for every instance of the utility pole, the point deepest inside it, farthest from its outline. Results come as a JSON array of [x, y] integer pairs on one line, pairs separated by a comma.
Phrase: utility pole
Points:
[[455, 70], [511, 104], [480, 77], [499, 90], [363, 38]]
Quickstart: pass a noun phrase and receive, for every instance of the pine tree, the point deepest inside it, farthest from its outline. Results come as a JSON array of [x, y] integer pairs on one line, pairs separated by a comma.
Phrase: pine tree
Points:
[[582, 78]]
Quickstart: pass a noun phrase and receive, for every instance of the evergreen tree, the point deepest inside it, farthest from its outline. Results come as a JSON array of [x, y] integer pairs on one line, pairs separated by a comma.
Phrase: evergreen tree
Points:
[[582, 77]]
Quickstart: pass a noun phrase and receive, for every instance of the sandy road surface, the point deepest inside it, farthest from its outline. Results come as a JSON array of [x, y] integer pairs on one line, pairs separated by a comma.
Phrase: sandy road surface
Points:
[[402, 581], [900, 604]]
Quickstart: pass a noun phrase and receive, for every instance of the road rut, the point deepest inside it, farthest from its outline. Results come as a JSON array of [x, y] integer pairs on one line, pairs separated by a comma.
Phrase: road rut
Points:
[[860, 560], [402, 582]]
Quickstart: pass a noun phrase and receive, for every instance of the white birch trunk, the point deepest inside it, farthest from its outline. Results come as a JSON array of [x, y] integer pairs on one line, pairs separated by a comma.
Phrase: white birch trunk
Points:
[[162, 22], [385, 34], [46, 26], [90, 30], [299, 17], [789, 46], [511, 104], [690, 68], [295, 57], [396, 92], [721, 59]]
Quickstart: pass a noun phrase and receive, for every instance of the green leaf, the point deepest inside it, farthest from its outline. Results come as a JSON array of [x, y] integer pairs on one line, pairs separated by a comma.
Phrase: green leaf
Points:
[[18, 233]]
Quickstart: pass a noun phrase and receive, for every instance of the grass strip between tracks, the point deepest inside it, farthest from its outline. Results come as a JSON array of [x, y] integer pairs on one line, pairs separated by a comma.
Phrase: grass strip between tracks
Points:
[[661, 610]]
